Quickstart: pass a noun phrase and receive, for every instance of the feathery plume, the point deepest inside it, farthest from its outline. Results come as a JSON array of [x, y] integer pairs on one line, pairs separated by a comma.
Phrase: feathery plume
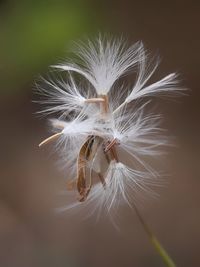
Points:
[[103, 62], [102, 139]]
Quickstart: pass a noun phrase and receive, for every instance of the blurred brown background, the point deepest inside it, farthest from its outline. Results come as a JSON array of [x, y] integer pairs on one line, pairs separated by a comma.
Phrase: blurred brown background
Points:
[[35, 34]]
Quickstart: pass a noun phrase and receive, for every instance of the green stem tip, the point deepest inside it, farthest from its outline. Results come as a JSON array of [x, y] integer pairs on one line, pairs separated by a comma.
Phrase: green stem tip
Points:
[[156, 244]]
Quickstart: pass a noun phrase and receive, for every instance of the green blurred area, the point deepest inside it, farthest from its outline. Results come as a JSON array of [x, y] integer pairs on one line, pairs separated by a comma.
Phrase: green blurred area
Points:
[[35, 34]]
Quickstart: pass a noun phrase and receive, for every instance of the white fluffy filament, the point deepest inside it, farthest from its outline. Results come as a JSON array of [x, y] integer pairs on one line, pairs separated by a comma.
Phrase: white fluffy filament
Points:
[[104, 61], [116, 165]]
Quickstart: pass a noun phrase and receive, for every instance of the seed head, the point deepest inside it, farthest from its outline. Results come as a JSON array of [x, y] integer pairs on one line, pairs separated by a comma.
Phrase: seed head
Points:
[[102, 131]]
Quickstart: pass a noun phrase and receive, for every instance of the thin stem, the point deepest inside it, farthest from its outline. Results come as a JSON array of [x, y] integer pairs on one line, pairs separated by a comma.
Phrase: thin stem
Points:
[[104, 105], [114, 154], [104, 111], [50, 139], [94, 100], [156, 244], [111, 144]]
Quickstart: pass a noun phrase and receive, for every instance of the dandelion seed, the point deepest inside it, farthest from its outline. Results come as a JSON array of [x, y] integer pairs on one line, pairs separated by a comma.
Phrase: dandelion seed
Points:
[[96, 130]]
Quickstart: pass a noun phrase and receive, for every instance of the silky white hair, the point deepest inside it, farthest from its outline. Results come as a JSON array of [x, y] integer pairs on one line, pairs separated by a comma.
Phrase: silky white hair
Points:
[[135, 133]]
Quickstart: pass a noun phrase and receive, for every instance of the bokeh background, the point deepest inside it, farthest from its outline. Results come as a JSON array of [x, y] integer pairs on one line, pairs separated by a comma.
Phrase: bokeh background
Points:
[[35, 34]]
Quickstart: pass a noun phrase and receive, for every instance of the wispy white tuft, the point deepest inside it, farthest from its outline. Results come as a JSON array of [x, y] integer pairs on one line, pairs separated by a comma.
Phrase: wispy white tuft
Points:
[[125, 138], [122, 185], [62, 96], [138, 133], [165, 86], [74, 131], [74, 135], [103, 62]]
